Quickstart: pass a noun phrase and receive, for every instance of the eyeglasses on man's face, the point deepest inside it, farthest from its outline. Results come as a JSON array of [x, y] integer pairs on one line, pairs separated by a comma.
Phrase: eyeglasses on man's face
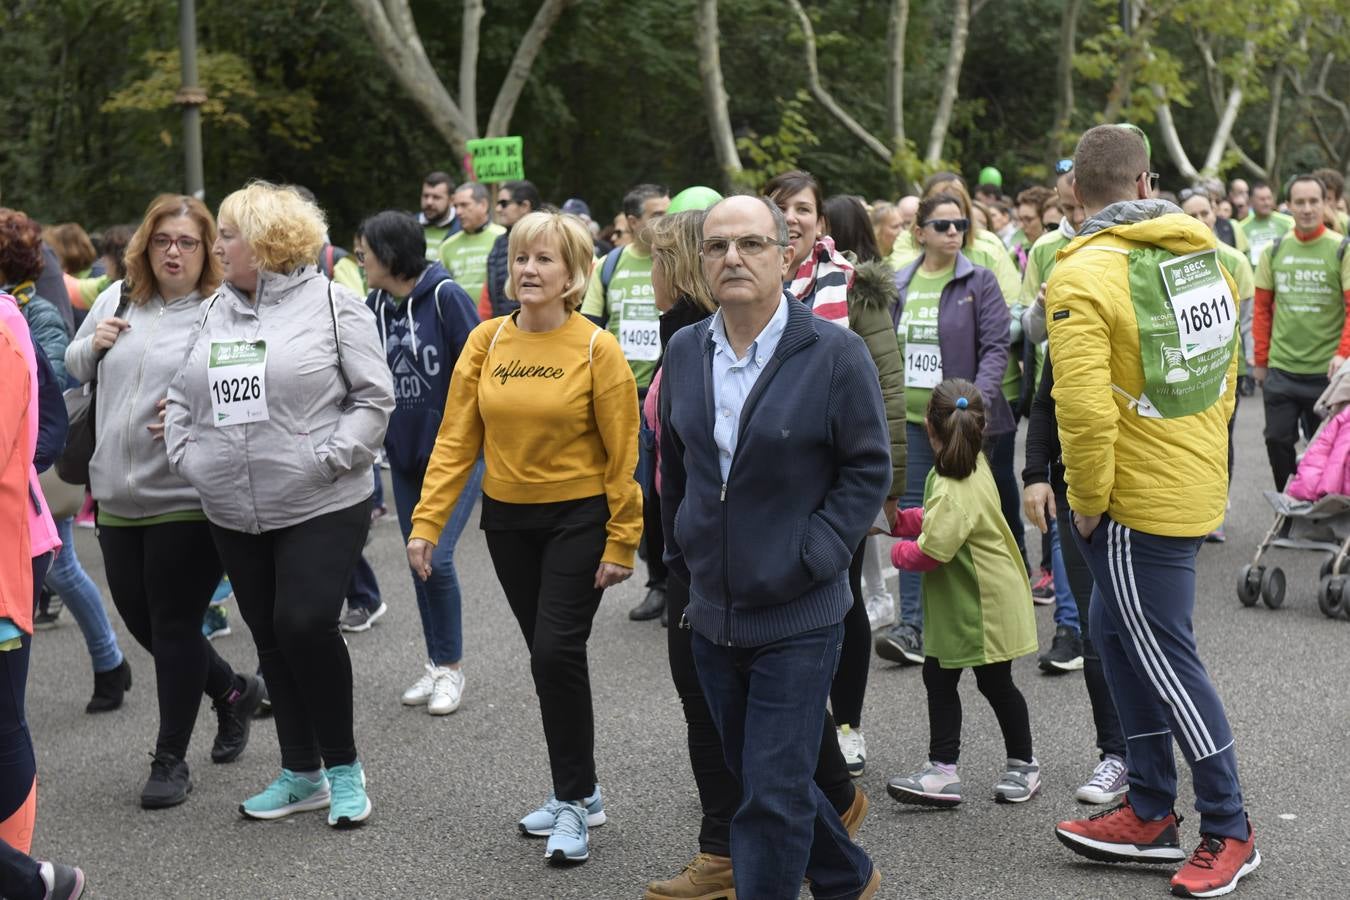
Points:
[[746, 245]]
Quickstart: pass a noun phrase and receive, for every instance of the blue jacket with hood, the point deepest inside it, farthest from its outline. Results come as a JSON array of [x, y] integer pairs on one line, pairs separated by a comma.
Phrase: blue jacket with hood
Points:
[[422, 337]]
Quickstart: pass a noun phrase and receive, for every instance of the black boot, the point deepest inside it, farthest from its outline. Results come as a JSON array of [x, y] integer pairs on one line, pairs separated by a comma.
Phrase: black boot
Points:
[[650, 607], [234, 714], [109, 687], [168, 784]]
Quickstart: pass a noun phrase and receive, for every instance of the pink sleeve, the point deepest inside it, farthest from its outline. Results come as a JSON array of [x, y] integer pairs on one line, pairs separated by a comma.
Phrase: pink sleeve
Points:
[[651, 412], [908, 522], [1307, 481], [907, 557]]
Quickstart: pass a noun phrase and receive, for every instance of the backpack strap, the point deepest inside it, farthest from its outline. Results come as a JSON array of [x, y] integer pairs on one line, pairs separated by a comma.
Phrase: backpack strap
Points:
[[436, 295], [607, 267], [337, 339]]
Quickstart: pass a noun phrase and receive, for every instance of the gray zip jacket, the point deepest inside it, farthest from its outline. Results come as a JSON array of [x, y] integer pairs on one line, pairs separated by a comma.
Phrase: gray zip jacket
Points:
[[313, 455], [129, 473]]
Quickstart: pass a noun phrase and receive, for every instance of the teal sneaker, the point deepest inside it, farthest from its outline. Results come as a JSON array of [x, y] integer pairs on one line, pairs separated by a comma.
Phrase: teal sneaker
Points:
[[291, 793], [569, 844], [540, 822], [350, 806]]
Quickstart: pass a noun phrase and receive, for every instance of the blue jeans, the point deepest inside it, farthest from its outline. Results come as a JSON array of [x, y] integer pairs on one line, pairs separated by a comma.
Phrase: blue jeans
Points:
[[769, 707], [1066, 607], [363, 589], [438, 598], [917, 466], [80, 595]]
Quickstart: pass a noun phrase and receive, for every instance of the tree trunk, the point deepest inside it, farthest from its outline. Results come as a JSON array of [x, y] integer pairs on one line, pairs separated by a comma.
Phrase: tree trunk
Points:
[[897, 26], [1068, 41], [527, 51], [468, 60], [706, 36], [1228, 117], [956, 54], [1170, 138]]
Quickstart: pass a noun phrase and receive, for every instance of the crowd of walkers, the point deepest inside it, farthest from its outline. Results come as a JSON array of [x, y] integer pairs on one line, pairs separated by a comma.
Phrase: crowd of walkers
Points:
[[771, 400]]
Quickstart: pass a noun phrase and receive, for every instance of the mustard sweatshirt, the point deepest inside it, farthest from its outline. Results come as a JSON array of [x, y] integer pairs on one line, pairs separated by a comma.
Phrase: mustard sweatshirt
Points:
[[555, 416]]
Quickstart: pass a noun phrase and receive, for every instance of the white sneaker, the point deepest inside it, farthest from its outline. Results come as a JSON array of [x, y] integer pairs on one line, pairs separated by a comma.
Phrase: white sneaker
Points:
[[420, 692], [854, 749], [880, 610], [446, 691]]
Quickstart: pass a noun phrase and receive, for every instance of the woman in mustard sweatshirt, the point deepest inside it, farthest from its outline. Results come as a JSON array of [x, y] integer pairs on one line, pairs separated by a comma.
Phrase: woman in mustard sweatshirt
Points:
[[550, 402]]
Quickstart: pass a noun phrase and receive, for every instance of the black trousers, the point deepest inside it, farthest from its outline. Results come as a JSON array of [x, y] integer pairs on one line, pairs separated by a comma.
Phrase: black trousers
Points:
[[1289, 401], [719, 793], [547, 571], [290, 584], [855, 659], [162, 578], [944, 709]]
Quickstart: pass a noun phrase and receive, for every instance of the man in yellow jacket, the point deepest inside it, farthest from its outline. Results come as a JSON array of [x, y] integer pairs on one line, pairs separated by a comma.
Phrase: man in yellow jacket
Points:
[[1143, 338]]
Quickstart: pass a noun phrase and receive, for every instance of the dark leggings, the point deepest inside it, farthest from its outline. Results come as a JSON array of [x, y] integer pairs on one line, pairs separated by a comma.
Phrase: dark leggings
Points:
[[161, 578], [289, 584], [719, 793], [20, 875], [1000, 451], [944, 709], [850, 679], [18, 766]]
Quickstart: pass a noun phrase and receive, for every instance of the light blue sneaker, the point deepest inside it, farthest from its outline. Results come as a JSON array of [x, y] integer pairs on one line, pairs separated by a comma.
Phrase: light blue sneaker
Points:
[[569, 843], [540, 822], [350, 806], [291, 793]]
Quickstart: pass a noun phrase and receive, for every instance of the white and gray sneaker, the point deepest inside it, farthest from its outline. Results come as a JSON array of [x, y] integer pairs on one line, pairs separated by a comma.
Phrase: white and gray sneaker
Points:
[[420, 692], [1019, 783], [854, 748], [1109, 782], [930, 786], [880, 610], [358, 618], [446, 691]]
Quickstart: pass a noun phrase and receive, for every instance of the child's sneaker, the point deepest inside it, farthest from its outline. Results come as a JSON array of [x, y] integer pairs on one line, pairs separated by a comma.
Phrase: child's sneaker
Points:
[[290, 793], [1118, 835], [568, 842], [540, 822], [1019, 783], [854, 749], [1216, 865], [1109, 781], [930, 786], [350, 806]]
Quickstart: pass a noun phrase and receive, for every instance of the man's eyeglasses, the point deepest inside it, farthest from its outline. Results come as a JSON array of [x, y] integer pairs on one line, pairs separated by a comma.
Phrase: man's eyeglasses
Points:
[[620, 232], [1152, 179], [1064, 167], [746, 245], [503, 204], [1050, 226], [942, 226], [162, 243]]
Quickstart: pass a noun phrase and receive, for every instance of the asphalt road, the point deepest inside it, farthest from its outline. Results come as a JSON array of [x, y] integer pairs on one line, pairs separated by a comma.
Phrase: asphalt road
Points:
[[447, 792]]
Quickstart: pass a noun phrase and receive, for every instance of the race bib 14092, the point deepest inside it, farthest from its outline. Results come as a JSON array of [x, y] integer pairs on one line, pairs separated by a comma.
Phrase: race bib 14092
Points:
[[236, 375]]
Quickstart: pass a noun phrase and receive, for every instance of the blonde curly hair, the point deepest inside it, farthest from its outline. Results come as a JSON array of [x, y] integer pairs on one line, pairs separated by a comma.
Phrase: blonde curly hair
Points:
[[283, 229]]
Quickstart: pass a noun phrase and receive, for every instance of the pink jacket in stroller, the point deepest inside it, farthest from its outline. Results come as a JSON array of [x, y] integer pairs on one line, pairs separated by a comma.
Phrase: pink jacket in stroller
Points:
[[1325, 467]]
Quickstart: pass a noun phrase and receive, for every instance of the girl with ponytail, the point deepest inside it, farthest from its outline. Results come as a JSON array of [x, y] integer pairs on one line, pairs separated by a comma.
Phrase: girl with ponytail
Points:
[[976, 602]]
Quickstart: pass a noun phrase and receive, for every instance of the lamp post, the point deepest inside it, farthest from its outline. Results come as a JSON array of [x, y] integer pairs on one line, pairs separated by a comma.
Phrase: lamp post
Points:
[[191, 97]]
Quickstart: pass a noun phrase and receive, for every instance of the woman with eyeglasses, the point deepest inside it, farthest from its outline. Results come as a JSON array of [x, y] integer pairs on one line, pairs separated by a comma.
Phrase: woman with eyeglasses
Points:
[[160, 561], [953, 323]]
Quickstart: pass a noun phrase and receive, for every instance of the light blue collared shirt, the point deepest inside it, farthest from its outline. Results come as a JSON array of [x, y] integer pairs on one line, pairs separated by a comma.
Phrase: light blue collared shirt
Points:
[[733, 379]]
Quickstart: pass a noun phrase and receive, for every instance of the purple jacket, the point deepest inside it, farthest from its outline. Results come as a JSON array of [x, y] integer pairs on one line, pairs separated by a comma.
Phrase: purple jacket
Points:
[[973, 323]]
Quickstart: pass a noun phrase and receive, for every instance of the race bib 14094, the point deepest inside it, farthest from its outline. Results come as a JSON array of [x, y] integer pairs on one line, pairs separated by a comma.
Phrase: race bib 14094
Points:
[[236, 375]]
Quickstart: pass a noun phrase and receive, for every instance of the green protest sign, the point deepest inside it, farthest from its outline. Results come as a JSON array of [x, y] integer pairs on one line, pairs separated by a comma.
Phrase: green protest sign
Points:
[[497, 159]]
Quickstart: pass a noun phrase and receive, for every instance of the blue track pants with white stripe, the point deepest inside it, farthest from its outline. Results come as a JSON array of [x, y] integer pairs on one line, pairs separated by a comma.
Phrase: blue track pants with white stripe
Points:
[[1140, 623]]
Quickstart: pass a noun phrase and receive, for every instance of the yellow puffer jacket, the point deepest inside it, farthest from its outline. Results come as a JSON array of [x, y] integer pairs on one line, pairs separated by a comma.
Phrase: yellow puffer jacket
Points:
[[1166, 477]]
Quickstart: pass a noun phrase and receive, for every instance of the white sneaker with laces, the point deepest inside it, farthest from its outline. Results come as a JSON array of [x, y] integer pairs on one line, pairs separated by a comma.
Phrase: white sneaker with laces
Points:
[[880, 610], [420, 692], [446, 691], [854, 749], [1110, 780]]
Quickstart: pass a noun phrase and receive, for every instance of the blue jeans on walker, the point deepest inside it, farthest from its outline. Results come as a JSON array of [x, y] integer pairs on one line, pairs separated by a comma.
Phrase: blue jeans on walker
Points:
[[68, 579], [1066, 607], [438, 598], [917, 466]]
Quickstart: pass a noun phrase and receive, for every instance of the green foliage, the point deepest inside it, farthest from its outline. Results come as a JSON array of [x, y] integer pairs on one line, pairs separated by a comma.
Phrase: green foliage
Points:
[[765, 156]]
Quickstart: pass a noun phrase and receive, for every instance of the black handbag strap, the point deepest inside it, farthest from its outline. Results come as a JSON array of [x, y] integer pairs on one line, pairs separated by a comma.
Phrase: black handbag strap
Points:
[[122, 302]]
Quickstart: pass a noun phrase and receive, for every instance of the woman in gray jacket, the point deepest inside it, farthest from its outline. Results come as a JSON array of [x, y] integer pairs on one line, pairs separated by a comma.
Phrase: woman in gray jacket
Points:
[[275, 418], [157, 551]]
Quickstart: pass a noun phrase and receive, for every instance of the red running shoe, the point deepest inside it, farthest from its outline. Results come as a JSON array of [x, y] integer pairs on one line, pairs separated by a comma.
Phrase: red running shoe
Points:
[[1118, 835], [1216, 865]]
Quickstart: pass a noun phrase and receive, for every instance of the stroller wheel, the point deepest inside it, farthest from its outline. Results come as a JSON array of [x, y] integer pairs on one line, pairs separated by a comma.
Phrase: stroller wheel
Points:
[[1272, 587], [1249, 584], [1331, 596]]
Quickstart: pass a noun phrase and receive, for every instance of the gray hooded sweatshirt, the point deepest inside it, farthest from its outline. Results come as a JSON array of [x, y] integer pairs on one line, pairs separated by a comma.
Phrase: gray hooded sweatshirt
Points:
[[313, 452]]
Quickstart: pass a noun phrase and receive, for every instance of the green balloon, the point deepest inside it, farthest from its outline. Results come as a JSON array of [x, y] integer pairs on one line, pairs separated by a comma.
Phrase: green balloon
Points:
[[696, 197], [990, 175]]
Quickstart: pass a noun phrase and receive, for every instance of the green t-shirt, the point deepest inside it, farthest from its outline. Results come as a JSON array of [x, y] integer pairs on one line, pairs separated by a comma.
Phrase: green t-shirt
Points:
[[629, 311], [1236, 263], [464, 256], [977, 604], [1261, 233], [435, 235], [187, 515], [1309, 283], [918, 336]]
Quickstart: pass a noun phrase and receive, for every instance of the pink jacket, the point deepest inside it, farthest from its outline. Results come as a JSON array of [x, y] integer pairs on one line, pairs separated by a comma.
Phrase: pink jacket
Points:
[[41, 528], [1325, 467]]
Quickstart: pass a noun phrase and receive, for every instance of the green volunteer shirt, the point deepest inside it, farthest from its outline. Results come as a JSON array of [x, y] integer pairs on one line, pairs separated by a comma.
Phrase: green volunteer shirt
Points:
[[1308, 282], [435, 235], [1261, 233], [918, 336], [1040, 263], [976, 605], [628, 308], [464, 256]]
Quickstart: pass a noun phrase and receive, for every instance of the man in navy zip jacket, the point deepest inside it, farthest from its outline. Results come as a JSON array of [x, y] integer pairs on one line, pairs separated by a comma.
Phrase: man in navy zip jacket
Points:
[[775, 458]]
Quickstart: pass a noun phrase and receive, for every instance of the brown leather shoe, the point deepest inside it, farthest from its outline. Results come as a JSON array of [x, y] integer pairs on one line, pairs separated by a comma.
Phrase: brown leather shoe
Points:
[[856, 812], [705, 877], [873, 885]]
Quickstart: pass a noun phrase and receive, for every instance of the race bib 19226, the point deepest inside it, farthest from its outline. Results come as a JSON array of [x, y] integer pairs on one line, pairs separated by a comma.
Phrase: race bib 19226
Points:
[[236, 376]]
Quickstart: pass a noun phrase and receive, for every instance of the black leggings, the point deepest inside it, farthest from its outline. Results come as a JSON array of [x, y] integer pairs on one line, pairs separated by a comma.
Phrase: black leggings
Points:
[[161, 578], [944, 709], [719, 792], [850, 678], [289, 584]]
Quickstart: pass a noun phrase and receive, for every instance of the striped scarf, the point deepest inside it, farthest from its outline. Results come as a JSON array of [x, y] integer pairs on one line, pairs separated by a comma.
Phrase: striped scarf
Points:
[[824, 279]]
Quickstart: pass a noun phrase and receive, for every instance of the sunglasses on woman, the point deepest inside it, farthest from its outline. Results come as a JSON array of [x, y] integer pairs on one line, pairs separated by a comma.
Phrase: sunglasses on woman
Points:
[[942, 226]]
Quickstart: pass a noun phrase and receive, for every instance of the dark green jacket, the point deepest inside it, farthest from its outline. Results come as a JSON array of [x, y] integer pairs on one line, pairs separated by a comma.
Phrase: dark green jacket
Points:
[[869, 317]]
